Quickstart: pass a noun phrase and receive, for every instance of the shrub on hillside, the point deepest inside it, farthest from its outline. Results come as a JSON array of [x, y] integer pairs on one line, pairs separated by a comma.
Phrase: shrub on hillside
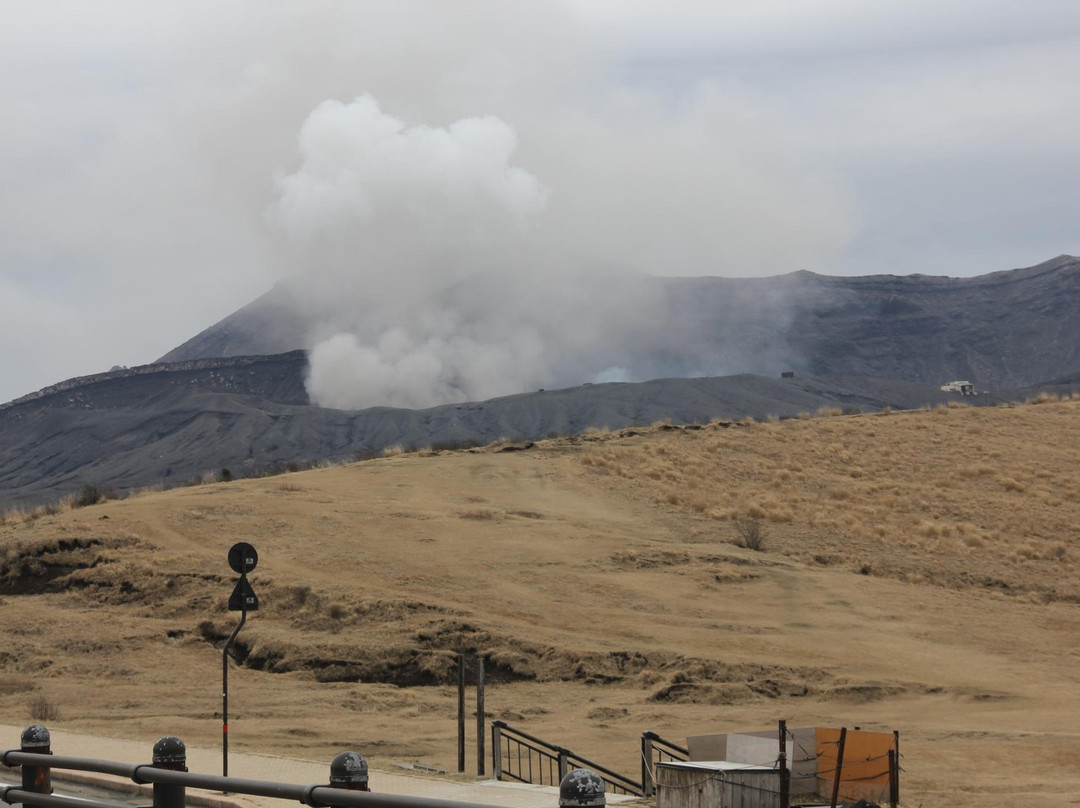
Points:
[[88, 495], [42, 708], [751, 533]]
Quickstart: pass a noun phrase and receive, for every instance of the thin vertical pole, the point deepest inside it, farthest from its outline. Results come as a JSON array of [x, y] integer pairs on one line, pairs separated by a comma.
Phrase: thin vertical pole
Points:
[[839, 766], [896, 755], [892, 779], [480, 723], [225, 712], [785, 780], [225, 695], [461, 713]]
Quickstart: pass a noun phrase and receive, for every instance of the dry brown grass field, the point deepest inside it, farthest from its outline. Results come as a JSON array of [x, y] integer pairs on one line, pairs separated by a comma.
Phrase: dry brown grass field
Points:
[[918, 572]]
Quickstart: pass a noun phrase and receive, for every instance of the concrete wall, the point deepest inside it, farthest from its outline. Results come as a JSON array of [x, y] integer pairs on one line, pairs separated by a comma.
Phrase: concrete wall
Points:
[[703, 788]]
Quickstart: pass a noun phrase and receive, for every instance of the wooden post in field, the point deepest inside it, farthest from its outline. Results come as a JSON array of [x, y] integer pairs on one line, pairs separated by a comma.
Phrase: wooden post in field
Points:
[[839, 767], [894, 775], [480, 733], [461, 713], [785, 780], [892, 779], [496, 749]]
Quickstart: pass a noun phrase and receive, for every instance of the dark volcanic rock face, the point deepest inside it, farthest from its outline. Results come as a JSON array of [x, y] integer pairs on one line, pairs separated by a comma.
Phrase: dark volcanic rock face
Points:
[[1005, 329], [845, 336], [171, 423], [143, 425], [272, 378]]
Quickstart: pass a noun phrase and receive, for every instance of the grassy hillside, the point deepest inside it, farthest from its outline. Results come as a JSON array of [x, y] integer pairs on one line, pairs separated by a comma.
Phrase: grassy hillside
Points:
[[917, 571]]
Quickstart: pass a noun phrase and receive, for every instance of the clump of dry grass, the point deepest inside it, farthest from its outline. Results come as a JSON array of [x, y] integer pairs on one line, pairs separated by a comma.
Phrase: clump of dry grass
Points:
[[479, 514], [1010, 484], [527, 514], [27, 516], [1044, 398]]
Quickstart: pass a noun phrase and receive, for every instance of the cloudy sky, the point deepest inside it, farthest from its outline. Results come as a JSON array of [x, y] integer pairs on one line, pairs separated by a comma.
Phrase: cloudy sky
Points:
[[164, 163]]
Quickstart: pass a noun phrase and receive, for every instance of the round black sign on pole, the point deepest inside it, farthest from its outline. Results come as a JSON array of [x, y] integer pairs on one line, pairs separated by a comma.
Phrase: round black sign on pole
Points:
[[242, 557]]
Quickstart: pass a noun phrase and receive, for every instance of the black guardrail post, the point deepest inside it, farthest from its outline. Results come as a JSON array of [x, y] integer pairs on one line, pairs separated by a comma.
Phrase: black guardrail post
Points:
[[350, 771], [35, 738], [582, 788], [170, 753]]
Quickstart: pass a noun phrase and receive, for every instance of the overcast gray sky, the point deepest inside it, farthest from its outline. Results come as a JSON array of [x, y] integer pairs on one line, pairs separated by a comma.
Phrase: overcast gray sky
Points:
[[153, 175]]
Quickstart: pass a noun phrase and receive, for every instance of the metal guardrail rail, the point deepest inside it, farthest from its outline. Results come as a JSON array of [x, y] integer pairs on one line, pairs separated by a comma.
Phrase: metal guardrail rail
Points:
[[517, 755], [170, 785], [655, 749]]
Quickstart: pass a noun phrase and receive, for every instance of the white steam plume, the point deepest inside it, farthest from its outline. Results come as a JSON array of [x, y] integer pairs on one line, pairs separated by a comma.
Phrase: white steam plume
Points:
[[370, 189], [440, 275], [391, 214]]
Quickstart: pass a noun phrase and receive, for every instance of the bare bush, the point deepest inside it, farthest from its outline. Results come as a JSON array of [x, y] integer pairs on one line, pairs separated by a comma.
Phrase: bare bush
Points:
[[88, 495], [42, 708], [751, 533]]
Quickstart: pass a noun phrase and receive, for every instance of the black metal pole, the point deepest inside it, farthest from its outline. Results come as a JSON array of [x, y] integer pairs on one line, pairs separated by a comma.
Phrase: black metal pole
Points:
[[481, 728], [461, 713], [225, 696]]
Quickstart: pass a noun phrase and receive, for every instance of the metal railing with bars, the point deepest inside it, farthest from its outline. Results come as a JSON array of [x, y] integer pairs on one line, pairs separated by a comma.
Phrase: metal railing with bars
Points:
[[655, 749], [170, 784], [517, 755]]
